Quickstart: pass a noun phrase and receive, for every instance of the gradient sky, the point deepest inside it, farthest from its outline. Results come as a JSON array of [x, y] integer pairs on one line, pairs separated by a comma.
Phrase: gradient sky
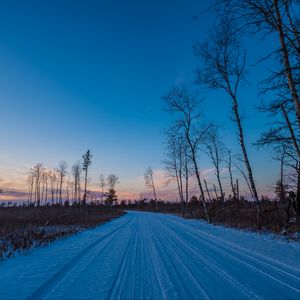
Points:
[[78, 75]]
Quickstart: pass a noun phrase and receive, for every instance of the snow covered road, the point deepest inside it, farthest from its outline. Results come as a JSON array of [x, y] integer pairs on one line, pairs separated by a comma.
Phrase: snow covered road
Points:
[[156, 256]]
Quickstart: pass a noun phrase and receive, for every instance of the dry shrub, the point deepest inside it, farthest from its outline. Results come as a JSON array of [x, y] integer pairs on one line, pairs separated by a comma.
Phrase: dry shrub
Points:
[[22, 228]]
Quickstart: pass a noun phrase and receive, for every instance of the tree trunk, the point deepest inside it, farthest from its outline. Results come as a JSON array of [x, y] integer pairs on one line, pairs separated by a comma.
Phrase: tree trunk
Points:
[[246, 159], [231, 180], [287, 64], [291, 130], [237, 190], [180, 190], [85, 185], [60, 190], [220, 186], [298, 194], [155, 199], [200, 186], [207, 191], [216, 194]]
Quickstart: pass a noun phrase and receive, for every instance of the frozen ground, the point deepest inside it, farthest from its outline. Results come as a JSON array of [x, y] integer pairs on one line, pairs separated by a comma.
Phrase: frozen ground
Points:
[[155, 256]]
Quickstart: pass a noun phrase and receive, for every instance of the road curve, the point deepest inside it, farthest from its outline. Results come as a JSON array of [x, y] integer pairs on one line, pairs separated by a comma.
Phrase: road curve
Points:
[[155, 256]]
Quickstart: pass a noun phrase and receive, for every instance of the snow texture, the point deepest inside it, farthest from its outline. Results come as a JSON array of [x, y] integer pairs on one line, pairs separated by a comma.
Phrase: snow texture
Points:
[[156, 256]]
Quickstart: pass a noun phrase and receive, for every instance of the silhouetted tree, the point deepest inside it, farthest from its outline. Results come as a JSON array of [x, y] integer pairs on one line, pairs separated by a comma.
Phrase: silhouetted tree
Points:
[[30, 182], [223, 62], [37, 171], [280, 18], [102, 186], [232, 185], [215, 150], [53, 180], [284, 134], [87, 160], [207, 190], [111, 196], [62, 171], [149, 181], [174, 162], [76, 172], [185, 104]]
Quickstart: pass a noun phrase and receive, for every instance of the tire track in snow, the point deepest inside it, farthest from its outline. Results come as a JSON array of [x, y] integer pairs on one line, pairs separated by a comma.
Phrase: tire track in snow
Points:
[[121, 269], [154, 262], [56, 278], [209, 262], [180, 270], [137, 278], [246, 259], [89, 263], [254, 255]]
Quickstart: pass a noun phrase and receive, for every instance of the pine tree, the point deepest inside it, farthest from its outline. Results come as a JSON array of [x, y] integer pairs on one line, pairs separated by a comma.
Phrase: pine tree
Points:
[[111, 197]]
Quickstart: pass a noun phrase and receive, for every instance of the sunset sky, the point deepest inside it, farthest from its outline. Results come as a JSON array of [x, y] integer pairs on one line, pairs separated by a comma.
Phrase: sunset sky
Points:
[[78, 75]]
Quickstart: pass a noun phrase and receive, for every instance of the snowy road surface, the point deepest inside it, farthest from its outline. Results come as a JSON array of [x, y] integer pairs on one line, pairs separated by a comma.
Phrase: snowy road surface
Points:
[[155, 256]]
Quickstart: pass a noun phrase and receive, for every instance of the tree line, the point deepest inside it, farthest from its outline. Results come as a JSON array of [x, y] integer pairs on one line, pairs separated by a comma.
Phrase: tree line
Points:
[[59, 187]]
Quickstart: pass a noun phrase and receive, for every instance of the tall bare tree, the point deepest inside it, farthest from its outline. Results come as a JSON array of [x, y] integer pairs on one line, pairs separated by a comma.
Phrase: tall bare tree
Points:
[[53, 179], [30, 183], [284, 134], [215, 150], [62, 171], [37, 173], [149, 181], [223, 61], [76, 172], [102, 182], [175, 163], [44, 179], [279, 17], [229, 167], [207, 190], [185, 104]]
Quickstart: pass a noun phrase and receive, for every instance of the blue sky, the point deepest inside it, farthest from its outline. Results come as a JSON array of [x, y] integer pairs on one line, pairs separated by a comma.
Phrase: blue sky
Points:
[[78, 75]]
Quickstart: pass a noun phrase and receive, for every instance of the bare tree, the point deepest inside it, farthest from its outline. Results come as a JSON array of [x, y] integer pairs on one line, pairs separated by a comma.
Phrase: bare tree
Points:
[[87, 160], [102, 186], [37, 174], [44, 179], [187, 167], [76, 172], [112, 180], [240, 168], [282, 18], [30, 182], [149, 181], [223, 67], [215, 150], [174, 163], [284, 134], [62, 171], [185, 103], [53, 180], [68, 185], [229, 167], [207, 190]]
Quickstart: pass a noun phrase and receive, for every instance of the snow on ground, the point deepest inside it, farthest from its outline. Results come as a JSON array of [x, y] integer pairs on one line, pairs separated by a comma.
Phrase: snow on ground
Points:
[[156, 256]]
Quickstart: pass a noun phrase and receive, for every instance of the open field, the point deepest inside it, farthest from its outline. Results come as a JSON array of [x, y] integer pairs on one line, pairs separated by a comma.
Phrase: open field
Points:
[[22, 228]]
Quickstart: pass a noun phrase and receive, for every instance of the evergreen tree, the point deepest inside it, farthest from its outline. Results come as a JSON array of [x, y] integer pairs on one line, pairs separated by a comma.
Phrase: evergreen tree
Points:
[[111, 197]]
